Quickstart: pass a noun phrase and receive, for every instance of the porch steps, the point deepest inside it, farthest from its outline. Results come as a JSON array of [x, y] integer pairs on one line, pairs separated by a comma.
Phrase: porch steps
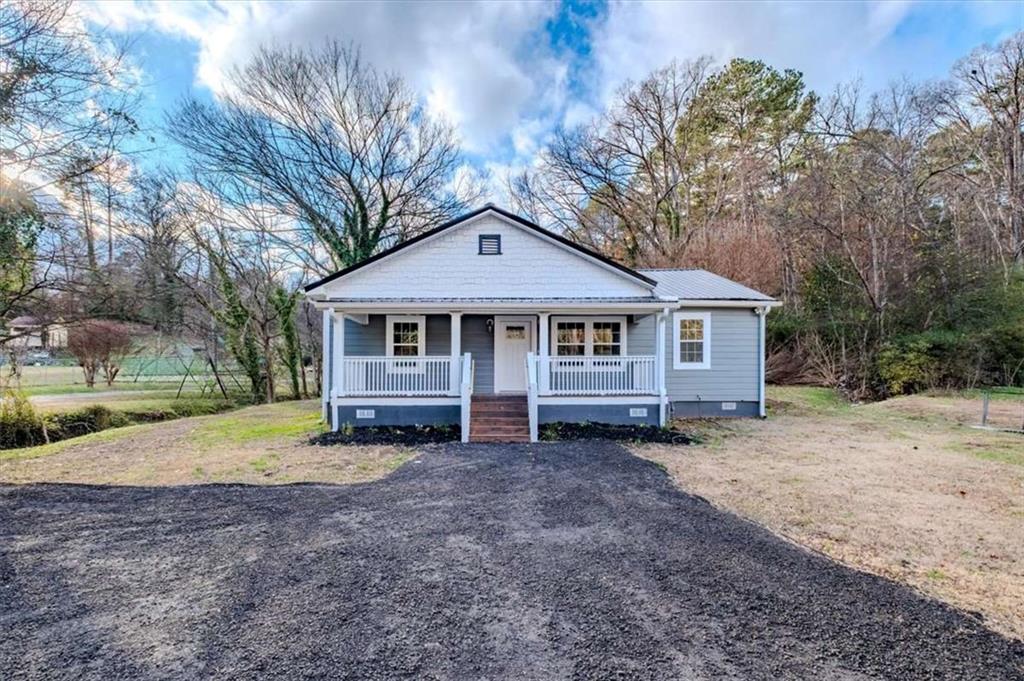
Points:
[[499, 418]]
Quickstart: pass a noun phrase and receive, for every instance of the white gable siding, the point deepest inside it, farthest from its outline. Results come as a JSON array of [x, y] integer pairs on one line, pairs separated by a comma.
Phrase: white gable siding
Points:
[[448, 266]]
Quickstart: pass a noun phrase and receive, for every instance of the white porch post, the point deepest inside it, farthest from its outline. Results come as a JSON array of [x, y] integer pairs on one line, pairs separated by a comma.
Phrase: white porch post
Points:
[[543, 348], [455, 376], [338, 353], [325, 369], [660, 365]]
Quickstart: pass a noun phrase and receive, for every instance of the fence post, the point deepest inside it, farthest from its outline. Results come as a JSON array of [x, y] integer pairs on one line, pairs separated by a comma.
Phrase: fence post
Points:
[[984, 409]]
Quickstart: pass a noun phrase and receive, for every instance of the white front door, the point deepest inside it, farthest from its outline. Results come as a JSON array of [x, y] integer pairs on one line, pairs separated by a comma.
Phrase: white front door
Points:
[[513, 339]]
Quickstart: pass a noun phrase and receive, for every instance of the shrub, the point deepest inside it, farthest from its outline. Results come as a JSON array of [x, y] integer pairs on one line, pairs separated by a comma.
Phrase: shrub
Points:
[[91, 419], [20, 424], [935, 359], [1002, 349], [100, 344]]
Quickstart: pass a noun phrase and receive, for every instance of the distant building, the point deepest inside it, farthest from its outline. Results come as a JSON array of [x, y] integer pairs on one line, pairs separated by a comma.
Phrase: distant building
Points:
[[31, 333]]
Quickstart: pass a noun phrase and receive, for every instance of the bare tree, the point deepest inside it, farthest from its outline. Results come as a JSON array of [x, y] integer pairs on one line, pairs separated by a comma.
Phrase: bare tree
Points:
[[234, 270], [984, 108], [100, 344], [325, 139], [153, 231], [65, 103], [619, 183]]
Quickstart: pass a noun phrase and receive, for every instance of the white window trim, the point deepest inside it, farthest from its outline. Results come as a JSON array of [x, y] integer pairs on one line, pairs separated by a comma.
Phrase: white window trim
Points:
[[588, 342], [421, 345], [677, 362]]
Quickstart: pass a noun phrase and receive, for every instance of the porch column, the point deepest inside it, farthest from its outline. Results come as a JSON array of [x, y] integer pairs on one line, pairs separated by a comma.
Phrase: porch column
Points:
[[543, 348], [456, 353], [325, 369], [660, 365], [338, 353]]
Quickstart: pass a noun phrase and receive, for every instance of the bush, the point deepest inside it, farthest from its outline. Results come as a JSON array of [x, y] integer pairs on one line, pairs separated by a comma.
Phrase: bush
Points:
[[935, 359], [88, 420], [184, 408], [20, 424], [1002, 349]]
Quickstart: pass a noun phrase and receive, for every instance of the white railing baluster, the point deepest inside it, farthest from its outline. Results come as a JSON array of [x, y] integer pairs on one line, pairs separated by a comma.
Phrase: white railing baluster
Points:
[[599, 375], [398, 375]]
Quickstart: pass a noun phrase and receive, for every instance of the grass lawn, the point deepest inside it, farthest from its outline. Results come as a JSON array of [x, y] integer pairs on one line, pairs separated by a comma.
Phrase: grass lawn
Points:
[[265, 444], [904, 488]]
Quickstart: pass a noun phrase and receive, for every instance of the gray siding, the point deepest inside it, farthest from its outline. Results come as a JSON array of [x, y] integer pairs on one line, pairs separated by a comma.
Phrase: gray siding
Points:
[[733, 373], [477, 341], [404, 415], [731, 378], [640, 335], [370, 339]]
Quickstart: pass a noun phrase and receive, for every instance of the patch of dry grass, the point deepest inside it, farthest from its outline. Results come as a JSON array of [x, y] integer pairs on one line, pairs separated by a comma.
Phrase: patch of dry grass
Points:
[[905, 489], [266, 444]]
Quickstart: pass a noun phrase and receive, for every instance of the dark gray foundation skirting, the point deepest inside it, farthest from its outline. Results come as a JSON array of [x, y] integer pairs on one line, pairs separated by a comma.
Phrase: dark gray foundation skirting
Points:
[[399, 415], [715, 409], [597, 413]]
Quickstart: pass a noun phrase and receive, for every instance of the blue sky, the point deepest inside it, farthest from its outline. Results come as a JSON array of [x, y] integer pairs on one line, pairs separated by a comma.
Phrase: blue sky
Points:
[[507, 73]]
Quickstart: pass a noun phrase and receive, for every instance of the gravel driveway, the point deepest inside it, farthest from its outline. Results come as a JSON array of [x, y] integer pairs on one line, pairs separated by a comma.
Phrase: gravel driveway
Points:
[[540, 561]]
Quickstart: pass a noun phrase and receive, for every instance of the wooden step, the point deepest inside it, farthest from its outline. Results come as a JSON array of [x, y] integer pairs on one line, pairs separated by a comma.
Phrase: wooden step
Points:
[[499, 405], [500, 428], [499, 418], [499, 438], [500, 421]]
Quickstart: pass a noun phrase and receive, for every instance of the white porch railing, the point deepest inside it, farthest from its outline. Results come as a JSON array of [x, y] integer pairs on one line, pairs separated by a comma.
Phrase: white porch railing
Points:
[[598, 375], [393, 376], [466, 370]]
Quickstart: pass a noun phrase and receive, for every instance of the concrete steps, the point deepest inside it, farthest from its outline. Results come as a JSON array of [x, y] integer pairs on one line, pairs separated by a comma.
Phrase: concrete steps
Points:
[[499, 418]]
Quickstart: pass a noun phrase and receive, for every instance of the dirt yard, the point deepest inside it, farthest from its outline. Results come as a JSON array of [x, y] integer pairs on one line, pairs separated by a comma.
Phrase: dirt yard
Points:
[[906, 489], [256, 445]]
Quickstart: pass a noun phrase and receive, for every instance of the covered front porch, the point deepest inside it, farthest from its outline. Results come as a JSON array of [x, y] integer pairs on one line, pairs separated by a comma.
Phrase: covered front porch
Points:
[[421, 365]]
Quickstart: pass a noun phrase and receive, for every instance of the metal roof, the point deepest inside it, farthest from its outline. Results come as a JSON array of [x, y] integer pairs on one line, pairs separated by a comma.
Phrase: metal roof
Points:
[[700, 285]]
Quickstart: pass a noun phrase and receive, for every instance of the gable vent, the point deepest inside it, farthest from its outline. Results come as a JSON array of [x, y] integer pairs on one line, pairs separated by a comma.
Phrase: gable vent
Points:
[[490, 244]]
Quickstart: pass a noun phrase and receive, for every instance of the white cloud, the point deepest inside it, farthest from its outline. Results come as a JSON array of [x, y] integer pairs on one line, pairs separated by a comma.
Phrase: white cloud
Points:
[[480, 64], [829, 42], [489, 67]]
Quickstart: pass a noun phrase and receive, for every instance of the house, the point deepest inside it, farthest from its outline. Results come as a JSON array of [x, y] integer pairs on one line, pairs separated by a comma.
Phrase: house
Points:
[[32, 333], [496, 324]]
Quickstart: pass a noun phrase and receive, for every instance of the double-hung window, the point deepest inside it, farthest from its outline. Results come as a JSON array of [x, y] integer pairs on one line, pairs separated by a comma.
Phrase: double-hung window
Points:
[[595, 336], [406, 337], [570, 339], [691, 342]]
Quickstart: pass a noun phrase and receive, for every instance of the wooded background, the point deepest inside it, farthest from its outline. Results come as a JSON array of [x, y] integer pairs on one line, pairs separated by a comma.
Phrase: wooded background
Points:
[[890, 223]]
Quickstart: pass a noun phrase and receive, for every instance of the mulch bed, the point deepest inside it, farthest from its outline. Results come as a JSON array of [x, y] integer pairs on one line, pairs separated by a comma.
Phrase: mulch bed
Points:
[[621, 433], [389, 435]]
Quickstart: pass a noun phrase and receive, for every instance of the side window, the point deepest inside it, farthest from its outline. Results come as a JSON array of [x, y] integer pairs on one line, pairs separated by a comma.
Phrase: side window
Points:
[[691, 340]]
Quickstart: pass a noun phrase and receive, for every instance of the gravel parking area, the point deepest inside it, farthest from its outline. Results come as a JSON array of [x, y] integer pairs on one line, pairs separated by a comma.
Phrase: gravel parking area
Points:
[[564, 560]]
